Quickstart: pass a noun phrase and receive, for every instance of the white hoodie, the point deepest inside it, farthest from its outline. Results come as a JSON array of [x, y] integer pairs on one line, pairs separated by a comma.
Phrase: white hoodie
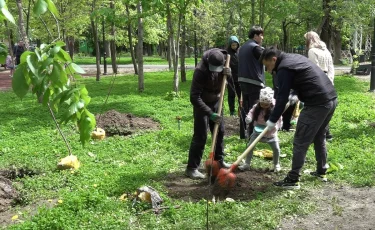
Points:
[[320, 55]]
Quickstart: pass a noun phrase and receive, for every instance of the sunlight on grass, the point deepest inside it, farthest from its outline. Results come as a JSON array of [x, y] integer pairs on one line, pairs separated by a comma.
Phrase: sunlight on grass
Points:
[[122, 164]]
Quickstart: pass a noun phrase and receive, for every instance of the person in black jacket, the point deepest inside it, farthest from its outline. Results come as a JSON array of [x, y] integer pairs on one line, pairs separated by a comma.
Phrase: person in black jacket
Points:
[[204, 95], [250, 74], [18, 50], [233, 85], [312, 87]]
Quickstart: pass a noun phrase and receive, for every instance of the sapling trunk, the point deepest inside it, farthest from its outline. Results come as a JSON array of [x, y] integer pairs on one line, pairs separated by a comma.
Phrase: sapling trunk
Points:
[[58, 128]]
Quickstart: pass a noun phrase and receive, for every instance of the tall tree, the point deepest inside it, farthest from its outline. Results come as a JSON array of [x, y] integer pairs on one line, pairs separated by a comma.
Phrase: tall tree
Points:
[[113, 41], [21, 24], [130, 38], [94, 28], [141, 83]]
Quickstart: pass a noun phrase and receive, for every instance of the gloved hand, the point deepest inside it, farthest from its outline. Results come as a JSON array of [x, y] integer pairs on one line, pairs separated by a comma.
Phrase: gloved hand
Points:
[[292, 99], [248, 120], [270, 125], [215, 118], [228, 72]]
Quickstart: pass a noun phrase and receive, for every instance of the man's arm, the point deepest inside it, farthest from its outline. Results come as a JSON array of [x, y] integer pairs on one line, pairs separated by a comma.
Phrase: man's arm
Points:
[[285, 81], [196, 92], [257, 51]]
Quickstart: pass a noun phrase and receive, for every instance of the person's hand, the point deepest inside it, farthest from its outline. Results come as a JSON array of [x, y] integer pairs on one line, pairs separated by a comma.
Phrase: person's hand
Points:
[[215, 118], [293, 99], [227, 71], [248, 120], [270, 125]]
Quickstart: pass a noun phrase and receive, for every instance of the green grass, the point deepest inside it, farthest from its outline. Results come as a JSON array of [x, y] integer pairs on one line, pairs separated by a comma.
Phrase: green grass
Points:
[[148, 60], [122, 164]]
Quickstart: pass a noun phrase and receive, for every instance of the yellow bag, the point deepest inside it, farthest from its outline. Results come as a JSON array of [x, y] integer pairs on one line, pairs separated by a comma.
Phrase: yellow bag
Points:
[[98, 134], [69, 162]]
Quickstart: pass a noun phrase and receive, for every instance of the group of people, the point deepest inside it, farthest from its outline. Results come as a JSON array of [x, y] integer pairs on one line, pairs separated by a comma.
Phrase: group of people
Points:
[[13, 60], [295, 78]]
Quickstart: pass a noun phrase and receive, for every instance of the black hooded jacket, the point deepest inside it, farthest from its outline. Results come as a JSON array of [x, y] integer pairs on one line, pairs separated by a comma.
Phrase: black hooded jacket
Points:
[[233, 58], [206, 85]]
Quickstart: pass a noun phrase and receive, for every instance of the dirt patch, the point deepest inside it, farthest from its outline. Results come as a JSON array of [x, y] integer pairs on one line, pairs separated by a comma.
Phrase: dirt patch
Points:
[[339, 207], [115, 123], [248, 184], [232, 126]]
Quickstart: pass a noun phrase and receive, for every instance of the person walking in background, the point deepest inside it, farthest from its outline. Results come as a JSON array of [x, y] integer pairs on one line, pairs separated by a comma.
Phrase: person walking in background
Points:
[[234, 88], [250, 73], [205, 97], [320, 55], [9, 63], [312, 87], [17, 51]]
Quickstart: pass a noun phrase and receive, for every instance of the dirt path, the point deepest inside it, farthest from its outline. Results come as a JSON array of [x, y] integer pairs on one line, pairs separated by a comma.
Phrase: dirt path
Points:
[[5, 80], [338, 207]]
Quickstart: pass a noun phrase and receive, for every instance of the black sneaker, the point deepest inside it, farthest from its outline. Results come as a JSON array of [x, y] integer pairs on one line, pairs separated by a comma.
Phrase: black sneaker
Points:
[[287, 183], [322, 177]]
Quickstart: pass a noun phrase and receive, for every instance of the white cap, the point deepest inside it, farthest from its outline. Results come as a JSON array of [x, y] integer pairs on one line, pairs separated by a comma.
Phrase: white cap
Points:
[[266, 95]]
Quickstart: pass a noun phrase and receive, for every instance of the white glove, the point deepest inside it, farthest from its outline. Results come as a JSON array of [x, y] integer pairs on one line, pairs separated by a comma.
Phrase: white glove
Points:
[[248, 120], [270, 125], [292, 99]]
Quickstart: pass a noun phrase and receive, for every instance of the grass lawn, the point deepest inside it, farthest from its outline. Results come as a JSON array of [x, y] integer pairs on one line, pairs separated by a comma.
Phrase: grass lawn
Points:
[[148, 60], [89, 197]]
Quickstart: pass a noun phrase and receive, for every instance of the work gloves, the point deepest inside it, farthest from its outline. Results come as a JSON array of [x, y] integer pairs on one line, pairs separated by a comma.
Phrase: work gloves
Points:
[[293, 99], [228, 72], [215, 118], [248, 120]]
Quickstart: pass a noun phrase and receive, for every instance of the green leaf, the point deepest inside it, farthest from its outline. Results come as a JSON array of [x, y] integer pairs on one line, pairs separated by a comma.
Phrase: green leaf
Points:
[[32, 62], [52, 7], [76, 68], [86, 125], [60, 43], [46, 96], [63, 56], [54, 50], [19, 82], [58, 75], [7, 15], [24, 56], [40, 7]]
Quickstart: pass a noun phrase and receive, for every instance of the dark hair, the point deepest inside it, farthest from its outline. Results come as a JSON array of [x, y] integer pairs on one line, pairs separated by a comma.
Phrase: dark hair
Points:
[[255, 30], [258, 109], [269, 53]]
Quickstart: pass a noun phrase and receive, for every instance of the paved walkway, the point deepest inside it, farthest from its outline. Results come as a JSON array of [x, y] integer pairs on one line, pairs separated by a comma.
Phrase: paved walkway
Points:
[[6, 81]]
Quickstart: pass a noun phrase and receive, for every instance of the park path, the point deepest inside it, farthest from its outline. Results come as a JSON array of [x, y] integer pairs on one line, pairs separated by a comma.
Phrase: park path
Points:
[[6, 81]]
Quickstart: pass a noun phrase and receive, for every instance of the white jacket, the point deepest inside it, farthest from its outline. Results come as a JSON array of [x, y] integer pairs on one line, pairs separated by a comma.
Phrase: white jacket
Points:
[[320, 55]]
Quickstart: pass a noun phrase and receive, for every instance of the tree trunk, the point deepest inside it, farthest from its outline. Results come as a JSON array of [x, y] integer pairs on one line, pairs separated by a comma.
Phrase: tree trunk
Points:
[[21, 25], [183, 51], [96, 43], [170, 37], [160, 50], [285, 35], [176, 51], [113, 42], [337, 45], [141, 85], [252, 13], [326, 32], [71, 46], [261, 12], [28, 18], [131, 46]]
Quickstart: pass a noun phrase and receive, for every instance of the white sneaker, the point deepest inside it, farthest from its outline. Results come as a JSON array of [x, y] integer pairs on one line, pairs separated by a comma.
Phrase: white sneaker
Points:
[[244, 167], [277, 168]]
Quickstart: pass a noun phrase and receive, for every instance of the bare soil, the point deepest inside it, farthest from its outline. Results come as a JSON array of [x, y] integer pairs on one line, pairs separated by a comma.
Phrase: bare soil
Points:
[[115, 123], [232, 126], [339, 207], [248, 184]]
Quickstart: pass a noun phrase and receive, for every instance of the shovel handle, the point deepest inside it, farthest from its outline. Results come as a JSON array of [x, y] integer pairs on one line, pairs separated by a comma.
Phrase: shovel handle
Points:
[[223, 85]]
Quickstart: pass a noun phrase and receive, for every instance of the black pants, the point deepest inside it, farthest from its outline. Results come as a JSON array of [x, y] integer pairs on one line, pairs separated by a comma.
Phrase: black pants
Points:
[[233, 90], [311, 128], [250, 95], [201, 123]]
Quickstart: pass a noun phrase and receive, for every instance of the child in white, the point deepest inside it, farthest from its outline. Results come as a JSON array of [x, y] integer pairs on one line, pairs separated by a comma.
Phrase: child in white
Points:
[[259, 114], [10, 64]]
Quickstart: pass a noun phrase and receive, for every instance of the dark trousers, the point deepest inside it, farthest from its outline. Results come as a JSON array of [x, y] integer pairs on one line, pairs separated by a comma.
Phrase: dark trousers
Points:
[[311, 128], [287, 117], [201, 124], [233, 90], [250, 95]]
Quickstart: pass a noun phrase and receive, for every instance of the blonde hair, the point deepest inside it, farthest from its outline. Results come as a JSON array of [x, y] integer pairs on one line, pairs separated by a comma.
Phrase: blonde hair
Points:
[[313, 40]]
